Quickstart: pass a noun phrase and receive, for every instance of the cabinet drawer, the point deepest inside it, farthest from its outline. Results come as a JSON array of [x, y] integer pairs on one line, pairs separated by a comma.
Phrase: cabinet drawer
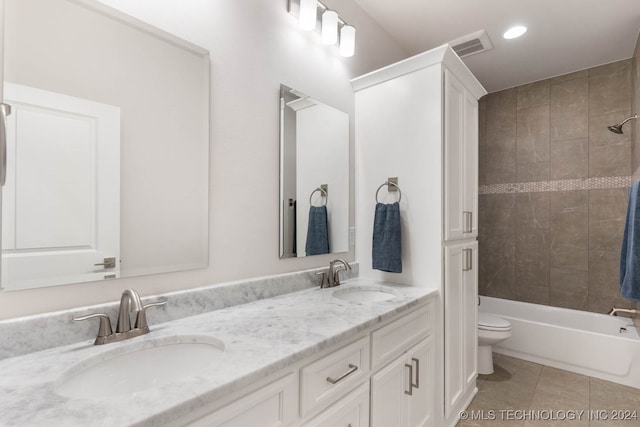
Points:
[[274, 405], [325, 380], [390, 341], [352, 410]]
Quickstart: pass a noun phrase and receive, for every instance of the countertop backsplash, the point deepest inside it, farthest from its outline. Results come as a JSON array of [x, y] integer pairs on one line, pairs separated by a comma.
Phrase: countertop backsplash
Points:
[[42, 331]]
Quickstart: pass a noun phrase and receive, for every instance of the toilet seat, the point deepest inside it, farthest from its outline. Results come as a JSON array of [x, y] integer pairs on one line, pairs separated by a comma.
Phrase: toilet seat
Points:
[[489, 322]]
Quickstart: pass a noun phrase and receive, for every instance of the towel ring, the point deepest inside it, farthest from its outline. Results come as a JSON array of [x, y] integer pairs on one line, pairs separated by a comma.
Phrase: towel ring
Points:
[[388, 183], [324, 194]]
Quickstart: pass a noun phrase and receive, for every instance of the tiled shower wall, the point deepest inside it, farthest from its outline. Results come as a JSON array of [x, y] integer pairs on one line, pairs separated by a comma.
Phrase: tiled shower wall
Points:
[[553, 189]]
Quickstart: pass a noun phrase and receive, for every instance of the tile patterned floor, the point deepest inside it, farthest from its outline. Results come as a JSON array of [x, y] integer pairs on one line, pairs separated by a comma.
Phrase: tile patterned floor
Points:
[[519, 390]]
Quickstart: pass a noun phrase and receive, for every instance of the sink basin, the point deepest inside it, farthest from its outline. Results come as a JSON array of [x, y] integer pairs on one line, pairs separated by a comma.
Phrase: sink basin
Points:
[[364, 294], [142, 365]]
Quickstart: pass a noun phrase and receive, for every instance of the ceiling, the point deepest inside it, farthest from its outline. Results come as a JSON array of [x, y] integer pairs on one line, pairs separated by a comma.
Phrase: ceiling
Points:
[[563, 35]]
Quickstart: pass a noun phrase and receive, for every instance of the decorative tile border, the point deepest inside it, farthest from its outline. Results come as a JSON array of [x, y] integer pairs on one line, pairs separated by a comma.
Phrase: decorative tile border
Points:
[[560, 185]]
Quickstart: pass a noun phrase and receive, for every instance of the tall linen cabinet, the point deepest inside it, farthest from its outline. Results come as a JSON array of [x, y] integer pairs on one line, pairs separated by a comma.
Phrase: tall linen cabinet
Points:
[[417, 120]]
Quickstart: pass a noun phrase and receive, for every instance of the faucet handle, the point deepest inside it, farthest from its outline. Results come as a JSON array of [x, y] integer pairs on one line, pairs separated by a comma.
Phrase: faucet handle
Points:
[[141, 318], [325, 280], [105, 323]]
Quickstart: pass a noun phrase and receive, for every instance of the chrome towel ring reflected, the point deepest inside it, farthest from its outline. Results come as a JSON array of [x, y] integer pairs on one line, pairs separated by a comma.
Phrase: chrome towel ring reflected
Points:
[[388, 184], [323, 194]]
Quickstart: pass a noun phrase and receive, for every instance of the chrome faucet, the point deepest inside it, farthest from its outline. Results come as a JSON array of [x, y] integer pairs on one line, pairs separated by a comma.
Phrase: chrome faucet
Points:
[[614, 311], [331, 277], [123, 328]]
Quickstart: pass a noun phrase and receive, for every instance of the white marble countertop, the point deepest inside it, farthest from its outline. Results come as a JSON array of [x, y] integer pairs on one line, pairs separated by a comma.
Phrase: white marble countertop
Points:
[[260, 338]]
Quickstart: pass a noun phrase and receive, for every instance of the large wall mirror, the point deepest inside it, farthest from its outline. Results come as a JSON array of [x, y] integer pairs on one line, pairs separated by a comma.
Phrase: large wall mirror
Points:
[[107, 146], [314, 176]]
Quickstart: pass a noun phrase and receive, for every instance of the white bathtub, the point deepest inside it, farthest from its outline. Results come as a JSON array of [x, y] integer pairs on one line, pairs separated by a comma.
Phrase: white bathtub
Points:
[[597, 345]]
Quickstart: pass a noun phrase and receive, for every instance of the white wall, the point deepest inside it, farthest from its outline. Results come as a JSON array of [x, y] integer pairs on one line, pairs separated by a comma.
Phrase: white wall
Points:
[[254, 46], [399, 134]]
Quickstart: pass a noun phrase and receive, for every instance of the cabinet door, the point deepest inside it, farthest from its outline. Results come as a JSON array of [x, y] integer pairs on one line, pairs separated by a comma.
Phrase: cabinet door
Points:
[[454, 104], [470, 166], [388, 403], [275, 405], [402, 393], [420, 408], [461, 160], [460, 308]]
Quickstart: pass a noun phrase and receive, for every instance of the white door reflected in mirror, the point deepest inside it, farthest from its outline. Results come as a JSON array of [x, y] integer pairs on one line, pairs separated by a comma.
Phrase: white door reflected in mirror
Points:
[[61, 200], [143, 197]]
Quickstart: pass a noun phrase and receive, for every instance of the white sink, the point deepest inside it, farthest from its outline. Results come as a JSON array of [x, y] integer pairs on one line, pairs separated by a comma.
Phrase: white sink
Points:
[[364, 294], [142, 365]]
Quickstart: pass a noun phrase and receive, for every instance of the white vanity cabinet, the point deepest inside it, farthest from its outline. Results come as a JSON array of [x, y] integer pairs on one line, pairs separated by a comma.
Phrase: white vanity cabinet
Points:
[[357, 383]]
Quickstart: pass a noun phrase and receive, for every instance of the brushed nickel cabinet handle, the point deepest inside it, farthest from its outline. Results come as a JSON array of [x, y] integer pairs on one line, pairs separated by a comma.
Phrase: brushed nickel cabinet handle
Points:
[[410, 391], [5, 110], [468, 259], [417, 362], [468, 221], [352, 369]]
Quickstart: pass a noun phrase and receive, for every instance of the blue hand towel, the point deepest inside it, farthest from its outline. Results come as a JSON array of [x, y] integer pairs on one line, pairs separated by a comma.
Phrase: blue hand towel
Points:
[[387, 243], [630, 256], [317, 231]]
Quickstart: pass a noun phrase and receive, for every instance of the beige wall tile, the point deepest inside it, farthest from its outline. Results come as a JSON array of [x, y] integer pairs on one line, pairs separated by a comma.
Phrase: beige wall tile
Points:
[[569, 230], [569, 159], [571, 76], [569, 107], [569, 289], [558, 248], [610, 88], [501, 137], [533, 95], [532, 144]]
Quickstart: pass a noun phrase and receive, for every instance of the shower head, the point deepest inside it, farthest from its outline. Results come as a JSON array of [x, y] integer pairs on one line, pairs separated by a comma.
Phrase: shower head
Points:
[[618, 128]]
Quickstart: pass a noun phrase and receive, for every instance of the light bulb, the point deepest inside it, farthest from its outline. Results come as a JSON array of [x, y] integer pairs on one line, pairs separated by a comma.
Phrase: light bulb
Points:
[[514, 32], [308, 14], [329, 27], [347, 40]]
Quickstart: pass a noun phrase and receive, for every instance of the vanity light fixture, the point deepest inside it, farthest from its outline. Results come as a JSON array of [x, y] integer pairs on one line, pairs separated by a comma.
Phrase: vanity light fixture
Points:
[[514, 32], [329, 27], [308, 14], [332, 28], [347, 40]]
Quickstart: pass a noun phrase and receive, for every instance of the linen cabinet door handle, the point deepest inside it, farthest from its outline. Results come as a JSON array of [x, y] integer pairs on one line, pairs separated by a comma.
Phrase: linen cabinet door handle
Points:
[[352, 369], [410, 391], [417, 362], [468, 221], [5, 110], [468, 259]]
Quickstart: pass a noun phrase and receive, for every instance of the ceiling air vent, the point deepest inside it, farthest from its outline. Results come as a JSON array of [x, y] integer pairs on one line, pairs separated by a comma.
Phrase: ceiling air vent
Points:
[[471, 43]]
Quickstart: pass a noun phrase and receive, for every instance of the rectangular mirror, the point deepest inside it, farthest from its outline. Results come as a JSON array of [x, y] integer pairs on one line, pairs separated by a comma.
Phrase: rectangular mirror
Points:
[[107, 146], [314, 176]]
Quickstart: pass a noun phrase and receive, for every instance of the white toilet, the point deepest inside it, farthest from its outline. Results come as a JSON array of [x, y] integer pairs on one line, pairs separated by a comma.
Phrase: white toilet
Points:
[[491, 330]]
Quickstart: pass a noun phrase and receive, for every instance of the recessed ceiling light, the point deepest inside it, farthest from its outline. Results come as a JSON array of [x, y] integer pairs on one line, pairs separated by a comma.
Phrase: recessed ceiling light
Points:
[[514, 32]]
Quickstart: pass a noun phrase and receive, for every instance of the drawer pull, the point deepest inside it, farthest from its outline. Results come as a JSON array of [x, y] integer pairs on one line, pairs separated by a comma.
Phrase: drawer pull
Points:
[[410, 391], [417, 383], [352, 369]]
